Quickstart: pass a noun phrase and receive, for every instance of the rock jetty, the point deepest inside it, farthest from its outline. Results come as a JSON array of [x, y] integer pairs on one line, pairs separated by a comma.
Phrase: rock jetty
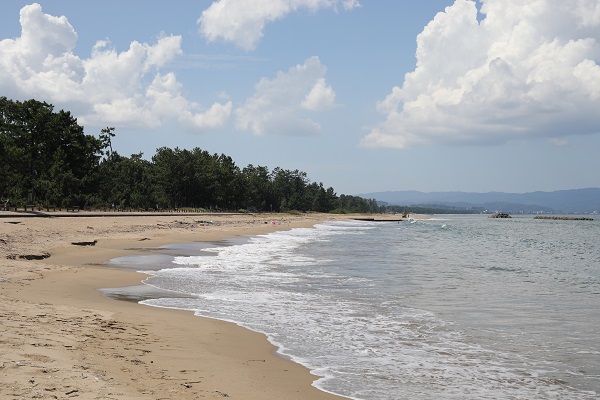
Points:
[[556, 217], [500, 215]]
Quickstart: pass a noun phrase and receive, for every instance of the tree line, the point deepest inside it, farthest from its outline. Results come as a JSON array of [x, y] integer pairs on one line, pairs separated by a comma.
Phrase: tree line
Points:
[[46, 158]]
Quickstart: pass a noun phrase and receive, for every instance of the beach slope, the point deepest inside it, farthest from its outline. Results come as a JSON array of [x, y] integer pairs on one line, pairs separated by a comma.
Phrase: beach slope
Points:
[[61, 338]]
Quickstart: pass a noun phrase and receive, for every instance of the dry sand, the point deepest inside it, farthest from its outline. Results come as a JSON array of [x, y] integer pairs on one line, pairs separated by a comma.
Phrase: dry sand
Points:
[[61, 338]]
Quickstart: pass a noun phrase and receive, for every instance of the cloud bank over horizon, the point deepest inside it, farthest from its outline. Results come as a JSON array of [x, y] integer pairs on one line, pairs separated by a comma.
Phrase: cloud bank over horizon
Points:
[[512, 70], [242, 22], [123, 88]]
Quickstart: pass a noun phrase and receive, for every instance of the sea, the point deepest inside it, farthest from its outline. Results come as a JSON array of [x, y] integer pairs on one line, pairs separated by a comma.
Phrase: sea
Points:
[[451, 307]]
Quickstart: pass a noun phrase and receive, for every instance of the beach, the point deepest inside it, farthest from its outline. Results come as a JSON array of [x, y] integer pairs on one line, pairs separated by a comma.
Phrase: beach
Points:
[[61, 338]]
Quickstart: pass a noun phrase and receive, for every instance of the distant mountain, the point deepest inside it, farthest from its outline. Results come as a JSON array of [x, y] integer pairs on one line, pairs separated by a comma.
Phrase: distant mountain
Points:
[[567, 201]]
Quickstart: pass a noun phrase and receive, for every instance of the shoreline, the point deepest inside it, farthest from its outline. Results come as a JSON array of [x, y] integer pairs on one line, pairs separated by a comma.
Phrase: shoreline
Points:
[[63, 337]]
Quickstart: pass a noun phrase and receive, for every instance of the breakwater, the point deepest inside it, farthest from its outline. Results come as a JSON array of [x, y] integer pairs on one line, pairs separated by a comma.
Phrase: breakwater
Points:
[[555, 217]]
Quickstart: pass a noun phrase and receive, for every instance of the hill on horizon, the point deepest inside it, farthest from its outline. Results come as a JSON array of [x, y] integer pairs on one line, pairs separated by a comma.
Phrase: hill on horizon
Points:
[[561, 201]]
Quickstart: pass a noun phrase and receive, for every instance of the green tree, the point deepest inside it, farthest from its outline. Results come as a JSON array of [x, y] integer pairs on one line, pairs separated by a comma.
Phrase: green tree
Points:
[[38, 147], [125, 182], [229, 184], [258, 188], [106, 136], [290, 189], [321, 199]]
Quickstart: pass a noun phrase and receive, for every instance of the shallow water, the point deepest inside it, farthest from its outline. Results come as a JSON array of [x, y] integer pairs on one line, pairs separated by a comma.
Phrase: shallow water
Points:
[[457, 307]]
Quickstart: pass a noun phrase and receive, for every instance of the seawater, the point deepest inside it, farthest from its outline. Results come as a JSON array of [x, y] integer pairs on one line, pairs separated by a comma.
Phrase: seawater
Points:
[[459, 307]]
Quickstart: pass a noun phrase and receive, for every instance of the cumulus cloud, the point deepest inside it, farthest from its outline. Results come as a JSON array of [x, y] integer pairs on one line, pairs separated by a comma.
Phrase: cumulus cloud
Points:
[[242, 22], [283, 105], [320, 97], [526, 70], [110, 88]]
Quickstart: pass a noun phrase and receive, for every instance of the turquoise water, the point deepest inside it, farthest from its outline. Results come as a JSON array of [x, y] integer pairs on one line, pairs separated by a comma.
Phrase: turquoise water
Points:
[[456, 307]]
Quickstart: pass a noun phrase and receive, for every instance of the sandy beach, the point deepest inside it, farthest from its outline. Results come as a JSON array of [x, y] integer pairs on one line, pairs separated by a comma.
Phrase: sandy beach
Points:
[[61, 338]]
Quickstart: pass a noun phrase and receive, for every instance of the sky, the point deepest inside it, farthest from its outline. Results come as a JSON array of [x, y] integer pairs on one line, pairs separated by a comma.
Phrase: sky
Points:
[[362, 95]]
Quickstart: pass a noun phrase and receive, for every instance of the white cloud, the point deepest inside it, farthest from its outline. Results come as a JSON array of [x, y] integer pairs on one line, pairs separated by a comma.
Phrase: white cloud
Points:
[[214, 117], [527, 70], [282, 105], [320, 97], [125, 89], [242, 22]]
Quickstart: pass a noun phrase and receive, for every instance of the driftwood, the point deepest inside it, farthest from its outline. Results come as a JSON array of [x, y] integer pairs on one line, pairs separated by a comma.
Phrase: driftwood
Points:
[[84, 243], [28, 256]]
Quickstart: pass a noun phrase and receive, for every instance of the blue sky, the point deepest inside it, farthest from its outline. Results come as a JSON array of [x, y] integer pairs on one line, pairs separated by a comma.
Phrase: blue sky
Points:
[[364, 96]]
